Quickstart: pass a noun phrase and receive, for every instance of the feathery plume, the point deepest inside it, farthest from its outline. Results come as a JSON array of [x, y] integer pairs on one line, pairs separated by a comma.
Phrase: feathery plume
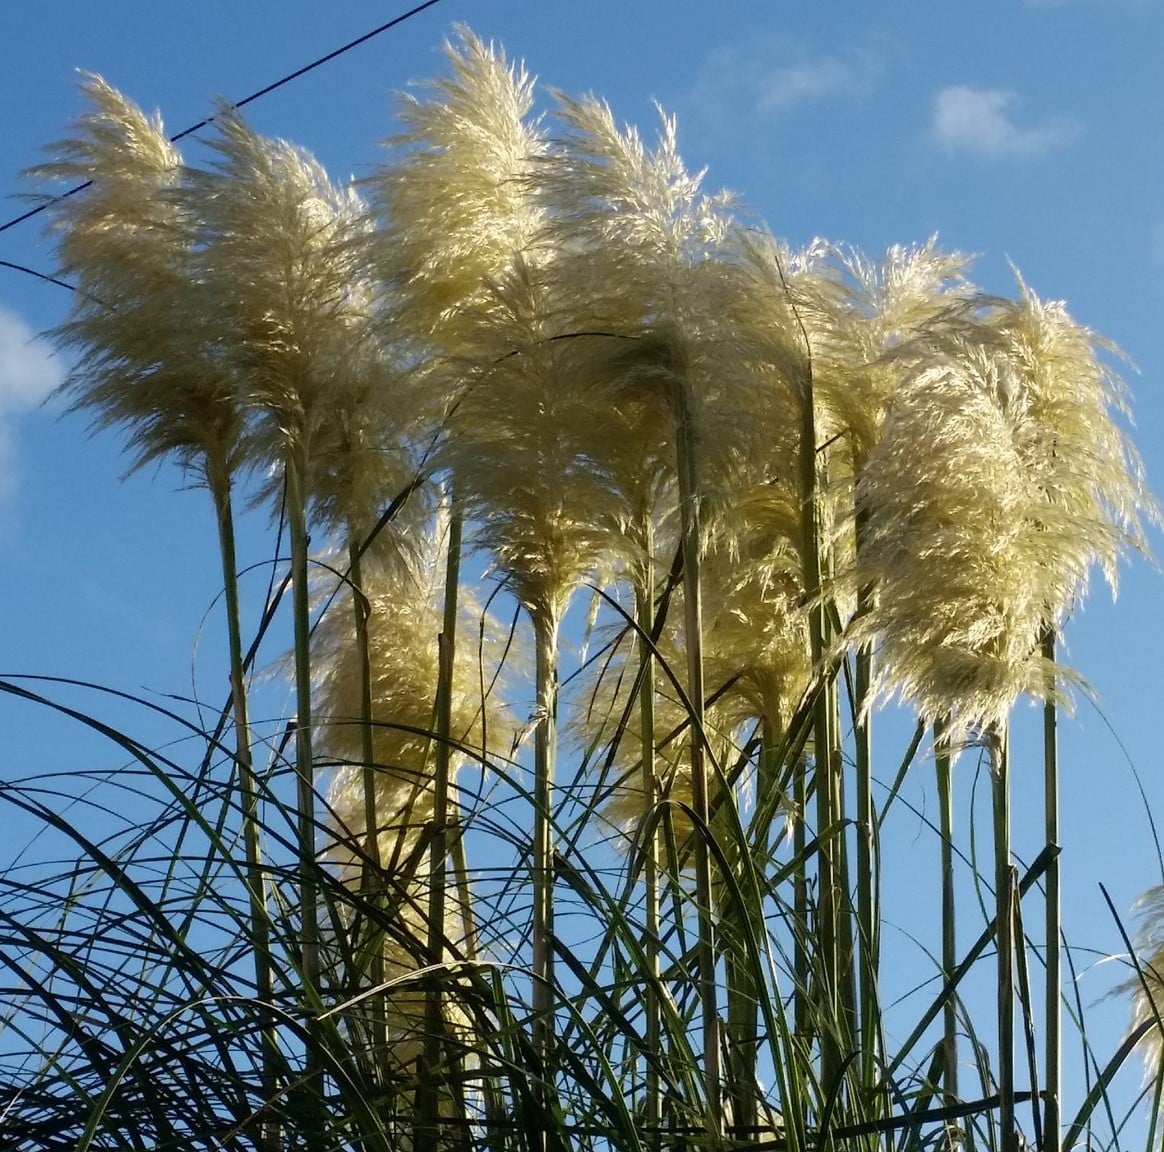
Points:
[[606, 727], [454, 204], [1146, 987], [278, 256], [404, 623], [1000, 479], [403, 626], [147, 355]]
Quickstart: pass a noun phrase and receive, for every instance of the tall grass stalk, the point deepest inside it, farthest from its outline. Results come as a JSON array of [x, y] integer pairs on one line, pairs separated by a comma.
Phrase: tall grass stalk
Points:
[[309, 968], [269, 1136], [371, 882], [944, 765], [545, 758], [1005, 893], [645, 611], [868, 917], [1053, 1022], [434, 1054], [826, 978], [700, 791]]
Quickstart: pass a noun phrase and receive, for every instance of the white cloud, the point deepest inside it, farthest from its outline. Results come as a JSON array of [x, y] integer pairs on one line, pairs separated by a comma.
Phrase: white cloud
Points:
[[768, 78], [815, 79], [28, 370], [982, 121], [28, 373]]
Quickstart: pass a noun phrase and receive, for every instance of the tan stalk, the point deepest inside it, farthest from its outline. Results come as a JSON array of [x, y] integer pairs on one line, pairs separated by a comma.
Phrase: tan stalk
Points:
[[848, 1017], [742, 991], [868, 865]]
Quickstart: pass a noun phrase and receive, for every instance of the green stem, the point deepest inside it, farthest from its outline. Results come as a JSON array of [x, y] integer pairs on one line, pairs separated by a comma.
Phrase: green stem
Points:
[[545, 754], [372, 877], [360, 611], [305, 774], [828, 959], [801, 960], [700, 799], [944, 765], [429, 1105], [868, 912], [1052, 1121], [1005, 919], [645, 611], [269, 1136], [743, 989]]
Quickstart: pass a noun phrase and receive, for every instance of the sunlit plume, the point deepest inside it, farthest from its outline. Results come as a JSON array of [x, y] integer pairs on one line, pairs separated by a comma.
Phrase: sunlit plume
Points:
[[999, 481], [277, 256], [405, 602], [148, 359]]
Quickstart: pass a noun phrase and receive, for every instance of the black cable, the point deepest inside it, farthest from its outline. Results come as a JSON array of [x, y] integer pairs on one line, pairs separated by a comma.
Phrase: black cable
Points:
[[240, 104], [39, 275]]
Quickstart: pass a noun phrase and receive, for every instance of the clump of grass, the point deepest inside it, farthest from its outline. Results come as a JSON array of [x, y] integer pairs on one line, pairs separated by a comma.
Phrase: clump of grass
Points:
[[795, 483]]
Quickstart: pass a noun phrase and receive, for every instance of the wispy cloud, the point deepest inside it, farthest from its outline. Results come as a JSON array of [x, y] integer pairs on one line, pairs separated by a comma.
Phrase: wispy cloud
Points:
[[982, 121], [28, 373], [769, 78]]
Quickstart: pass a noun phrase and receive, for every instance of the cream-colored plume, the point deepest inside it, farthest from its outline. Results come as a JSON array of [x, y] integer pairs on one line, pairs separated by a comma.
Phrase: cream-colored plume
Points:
[[146, 349]]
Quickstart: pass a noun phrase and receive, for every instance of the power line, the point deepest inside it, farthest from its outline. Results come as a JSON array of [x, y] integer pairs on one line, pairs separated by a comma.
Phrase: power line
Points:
[[210, 119], [39, 275]]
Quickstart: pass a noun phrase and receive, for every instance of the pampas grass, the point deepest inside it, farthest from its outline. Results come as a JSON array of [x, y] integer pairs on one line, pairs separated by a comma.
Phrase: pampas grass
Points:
[[538, 359]]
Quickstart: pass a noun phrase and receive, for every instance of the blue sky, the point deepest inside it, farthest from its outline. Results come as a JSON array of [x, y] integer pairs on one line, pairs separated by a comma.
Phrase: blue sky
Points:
[[1023, 132]]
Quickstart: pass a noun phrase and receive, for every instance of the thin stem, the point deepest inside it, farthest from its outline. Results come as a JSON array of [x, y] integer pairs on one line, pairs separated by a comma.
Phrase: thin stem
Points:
[[429, 1105], [545, 755], [645, 610], [1005, 919], [843, 910], [700, 798], [372, 877], [269, 1135], [801, 961], [1052, 1119], [828, 960], [868, 911], [868, 914], [305, 774], [360, 610], [944, 766], [743, 990]]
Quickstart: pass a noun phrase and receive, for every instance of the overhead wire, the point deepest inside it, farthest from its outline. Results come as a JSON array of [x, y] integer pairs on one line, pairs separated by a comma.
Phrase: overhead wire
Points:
[[269, 88]]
